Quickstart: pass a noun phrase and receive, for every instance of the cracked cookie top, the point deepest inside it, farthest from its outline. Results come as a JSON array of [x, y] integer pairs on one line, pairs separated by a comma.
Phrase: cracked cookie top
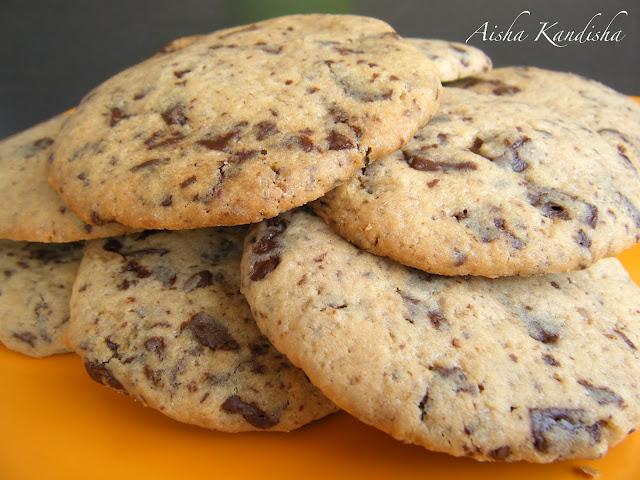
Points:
[[242, 124], [538, 369], [160, 316], [493, 186]]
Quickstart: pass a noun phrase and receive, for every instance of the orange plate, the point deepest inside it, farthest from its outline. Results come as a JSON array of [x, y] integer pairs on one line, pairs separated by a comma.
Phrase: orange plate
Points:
[[55, 423]]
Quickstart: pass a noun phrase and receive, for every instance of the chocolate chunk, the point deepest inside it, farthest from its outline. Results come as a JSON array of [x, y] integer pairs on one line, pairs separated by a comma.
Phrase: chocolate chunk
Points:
[[209, 333], [154, 376], [116, 116], [113, 346], [422, 406], [500, 453], [154, 162], [26, 337], [42, 143], [189, 181], [181, 73], [250, 412], [140, 270], [156, 346], [260, 269], [175, 116], [427, 165], [161, 139], [505, 89], [201, 279], [583, 239], [265, 129], [167, 201], [602, 395], [476, 146], [221, 142], [100, 373], [625, 339], [547, 423], [337, 141], [550, 360], [304, 142]]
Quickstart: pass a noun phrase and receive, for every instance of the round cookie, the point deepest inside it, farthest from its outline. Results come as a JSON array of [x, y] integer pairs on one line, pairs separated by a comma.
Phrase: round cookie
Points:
[[493, 186], [537, 369], [31, 210], [452, 59], [613, 116], [35, 287], [243, 123], [160, 317]]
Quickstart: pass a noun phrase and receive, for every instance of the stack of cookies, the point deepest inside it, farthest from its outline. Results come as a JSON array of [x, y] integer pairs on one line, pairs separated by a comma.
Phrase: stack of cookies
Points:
[[447, 282]]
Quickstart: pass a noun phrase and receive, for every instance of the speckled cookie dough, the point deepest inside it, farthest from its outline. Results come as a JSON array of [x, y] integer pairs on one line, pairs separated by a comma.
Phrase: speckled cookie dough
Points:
[[538, 369], [35, 286], [160, 316], [613, 116], [243, 123], [453, 60], [493, 186], [31, 210]]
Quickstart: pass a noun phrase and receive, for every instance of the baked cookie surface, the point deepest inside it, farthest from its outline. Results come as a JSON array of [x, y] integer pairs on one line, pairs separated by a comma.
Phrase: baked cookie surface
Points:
[[31, 210], [493, 186], [613, 116], [454, 60], [160, 317], [243, 123], [537, 369], [35, 287]]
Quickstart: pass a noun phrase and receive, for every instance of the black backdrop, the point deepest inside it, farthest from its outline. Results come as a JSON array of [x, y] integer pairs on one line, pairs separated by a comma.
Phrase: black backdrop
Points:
[[54, 51]]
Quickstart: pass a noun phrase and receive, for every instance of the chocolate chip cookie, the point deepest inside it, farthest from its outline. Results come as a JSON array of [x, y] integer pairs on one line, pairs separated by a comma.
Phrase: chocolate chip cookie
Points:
[[160, 316], [35, 286], [454, 60], [493, 186], [538, 369], [243, 123], [31, 210]]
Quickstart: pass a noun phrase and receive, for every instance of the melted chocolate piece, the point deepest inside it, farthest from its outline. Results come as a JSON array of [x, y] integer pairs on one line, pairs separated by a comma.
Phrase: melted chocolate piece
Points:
[[250, 412], [209, 333]]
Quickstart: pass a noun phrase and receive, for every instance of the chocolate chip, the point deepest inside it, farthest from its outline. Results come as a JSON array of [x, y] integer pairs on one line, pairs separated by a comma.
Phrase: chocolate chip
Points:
[[156, 346], [500, 453], [113, 346], [506, 90], [140, 270], [547, 423], [26, 337], [154, 162], [100, 373], [209, 333], [201, 279], [181, 73], [583, 239], [154, 376], [422, 406], [265, 129], [427, 165], [116, 116], [42, 143], [261, 268], [162, 139], [625, 339], [221, 142], [337, 141], [250, 412], [175, 116], [304, 142], [550, 360], [602, 395], [189, 181], [167, 201]]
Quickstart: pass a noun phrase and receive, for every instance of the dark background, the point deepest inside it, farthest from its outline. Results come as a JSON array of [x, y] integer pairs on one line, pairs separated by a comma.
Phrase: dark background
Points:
[[53, 52]]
